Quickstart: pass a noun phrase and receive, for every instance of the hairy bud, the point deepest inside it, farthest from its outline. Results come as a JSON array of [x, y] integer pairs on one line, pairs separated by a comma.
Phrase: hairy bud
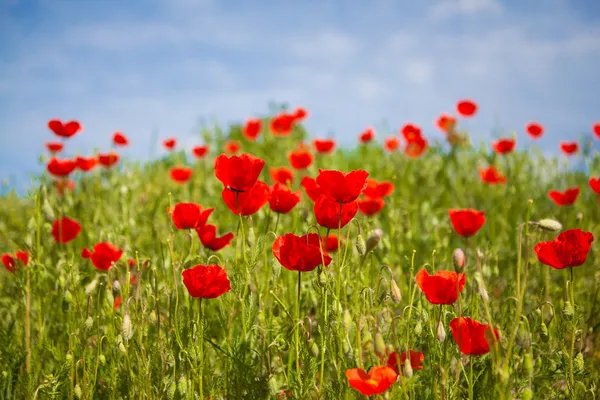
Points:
[[549, 225], [379, 345], [441, 332], [373, 239], [361, 246], [395, 292], [458, 260]]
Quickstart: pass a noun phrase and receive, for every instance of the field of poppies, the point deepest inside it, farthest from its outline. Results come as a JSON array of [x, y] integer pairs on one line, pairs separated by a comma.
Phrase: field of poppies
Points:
[[268, 264]]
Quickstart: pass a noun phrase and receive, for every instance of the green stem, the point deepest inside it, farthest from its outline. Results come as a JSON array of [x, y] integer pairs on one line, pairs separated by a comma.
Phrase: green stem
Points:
[[297, 331], [200, 325]]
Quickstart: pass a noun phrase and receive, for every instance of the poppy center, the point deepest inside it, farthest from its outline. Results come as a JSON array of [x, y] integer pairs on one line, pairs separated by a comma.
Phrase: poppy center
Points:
[[372, 383]]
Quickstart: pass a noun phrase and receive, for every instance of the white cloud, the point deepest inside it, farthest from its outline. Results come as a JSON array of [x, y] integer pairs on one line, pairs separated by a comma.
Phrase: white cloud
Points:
[[447, 9]]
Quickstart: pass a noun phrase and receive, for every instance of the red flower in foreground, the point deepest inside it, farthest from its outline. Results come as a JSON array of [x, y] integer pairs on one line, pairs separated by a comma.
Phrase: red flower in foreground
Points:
[[330, 243], [534, 129], [54, 147], [300, 157], [200, 151], [103, 256], [596, 129], [565, 198], [9, 262], [595, 185], [378, 189], [441, 288], [330, 216], [504, 146], [22, 255], [416, 358], [367, 136], [65, 230], [343, 187], [311, 188], [238, 173], [472, 336], [466, 108], [108, 160], [324, 146], [248, 202], [169, 144], [569, 148], [120, 139], [190, 215], [377, 381], [209, 239], [466, 222], [65, 130], [180, 174], [86, 164], [61, 168], [391, 143], [491, 175], [232, 147], [282, 199], [282, 175], [569, 249], [252, 129], [370, 205], [446, 123], [282, 124], [300, 253], [410, 131], [206, 281]]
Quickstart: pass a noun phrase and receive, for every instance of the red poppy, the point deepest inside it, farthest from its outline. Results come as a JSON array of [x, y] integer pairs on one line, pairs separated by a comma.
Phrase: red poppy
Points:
[[64, 184], [311, 188], [569, 249], [300, 253], [330, 243], [206, 281], [565, 198], [9, 262], [170, 144], [328, 212], [238, 173], [103, 256], [300, 114], [378, 189], [282, 175], [466, 222], [60, 168], [472, 338], [324, 146], [120, 139], [596, 129], [64, 130], [65, 230], [343, 187], [232, 146], [209, 239], [200, 151], [466, 108], [248, 202], [569, 148], [504, 146], [534, 130], [131, 262], [367, 136], [118, 302], [282, 199], [410, 132], [491, 175], [595, 185], [446, 123], [282, 124], [54, 147], [416, 358], [441, 288], [180, 174], [300, 157], [252, 129], [377, 381], [108, 160], [391, 143], [86, 164], [190, 215], [23, 255], [370, 205]]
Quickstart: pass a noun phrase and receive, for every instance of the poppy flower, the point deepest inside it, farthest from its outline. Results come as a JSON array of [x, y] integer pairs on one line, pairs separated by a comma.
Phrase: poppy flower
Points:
[[282, 124], [103, 256], [378, 189], [238, 173], [534, 129], [190, 215], [232, 146], [300, 253], [343, 187], [248, 202], [200, 151], [330, 243], [504, 146], [569, 249], [9, 262], [416, 358], [65, 230], [466, 108], [416, 147], [391, 143], [61, 168], [252, 129], [86, 164], [281, 175], [565, 198], [54, 147], [311, 188], [120, 139], [169, 144], [596, 129], [410, 132], [64, 184], [377, 381], [324, 146], [367, 136], [108, 160], [446, 123], [22, 255], [330, 216], [131, 262], [569, 148], [117, 303], [491, 175], [206, 281], [471, 335], [370, 205], [180, 174], [466, 222], [441, 288], [209, 239], [595, 185], [300, 157], [64, 130], [300, 114], [282, 199]]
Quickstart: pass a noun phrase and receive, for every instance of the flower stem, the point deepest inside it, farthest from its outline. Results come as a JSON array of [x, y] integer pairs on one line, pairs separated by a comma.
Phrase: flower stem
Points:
[[297, 331], [200, 325]]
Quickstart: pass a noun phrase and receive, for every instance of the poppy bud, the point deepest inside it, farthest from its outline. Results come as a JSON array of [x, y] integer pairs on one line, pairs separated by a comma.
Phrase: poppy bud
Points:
[[458, 260], [578, 365], [361, 246], [275, 269], [347, 321], [122, 348], [48, 211], [77, 391], [89, 322], [379, 345], [314, 349], [544, 332], [547, 313], [527, 394], [347, 349], [579, 217], [395, 292], [89, 289], [502, 374], [523, 337], [408, 371], [367, 341], [116, 286], [69, 358], [102, 359], [568, 311], [528, 365], [126, 326], [549, 225], [418, 328], [273, 385], [182, 385], [481, 286], [373, 239], [322, 278], [172, 391], [441, 332], [153, 318], [68, 297], [110, 299], [251, 236]]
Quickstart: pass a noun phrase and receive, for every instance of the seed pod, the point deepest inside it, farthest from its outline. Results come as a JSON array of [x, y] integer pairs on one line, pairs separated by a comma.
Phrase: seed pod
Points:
[[578, 365], [547, 313], [549, 225], [78, 392], [379, 345], [408, 371], [361, 246], [568, 311], [373, 239], [458, 260], [395, 293], [544, 333], [441, 332], [89, 322]]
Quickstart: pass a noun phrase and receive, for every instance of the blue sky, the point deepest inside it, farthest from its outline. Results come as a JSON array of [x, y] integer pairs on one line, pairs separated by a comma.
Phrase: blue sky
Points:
[[139, 66]]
